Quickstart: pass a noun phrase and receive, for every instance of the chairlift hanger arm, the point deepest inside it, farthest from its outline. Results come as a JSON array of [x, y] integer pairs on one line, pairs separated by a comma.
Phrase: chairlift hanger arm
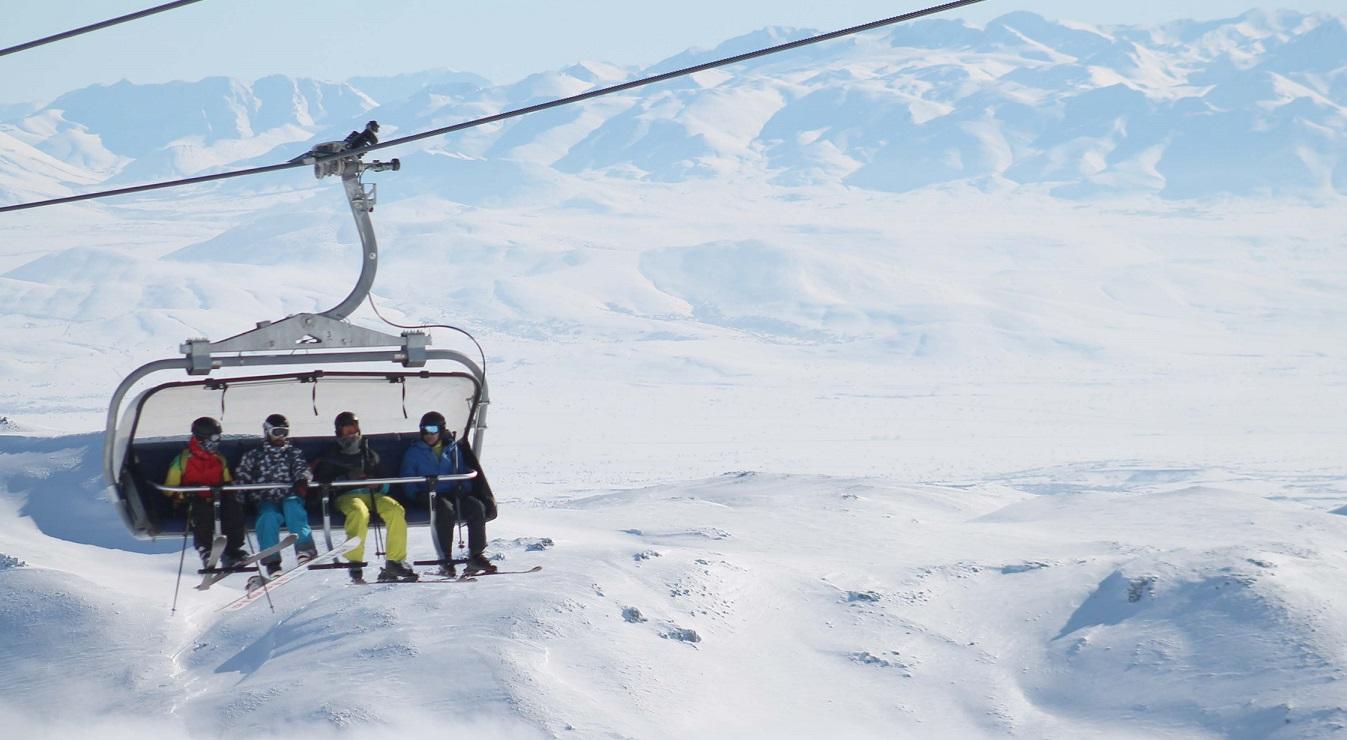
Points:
[[362, 203], [327, 329]]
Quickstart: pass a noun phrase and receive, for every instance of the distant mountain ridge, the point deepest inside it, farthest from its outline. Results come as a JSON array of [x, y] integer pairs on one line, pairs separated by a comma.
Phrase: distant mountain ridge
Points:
[[1254, 105]]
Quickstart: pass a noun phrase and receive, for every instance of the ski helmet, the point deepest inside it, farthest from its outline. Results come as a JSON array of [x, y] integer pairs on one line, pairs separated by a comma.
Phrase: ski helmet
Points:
[[432, 422], [276, 425], [345, 419], [206, 427]]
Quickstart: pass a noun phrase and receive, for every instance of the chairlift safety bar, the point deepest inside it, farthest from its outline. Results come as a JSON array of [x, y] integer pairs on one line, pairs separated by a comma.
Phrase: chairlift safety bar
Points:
[[334, 484]]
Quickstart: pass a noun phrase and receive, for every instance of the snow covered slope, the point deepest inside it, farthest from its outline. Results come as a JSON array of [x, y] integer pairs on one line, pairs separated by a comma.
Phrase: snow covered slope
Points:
[[1141, 603]]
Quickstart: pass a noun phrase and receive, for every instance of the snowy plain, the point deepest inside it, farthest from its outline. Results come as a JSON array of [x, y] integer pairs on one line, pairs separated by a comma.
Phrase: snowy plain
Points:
[[928, 385]]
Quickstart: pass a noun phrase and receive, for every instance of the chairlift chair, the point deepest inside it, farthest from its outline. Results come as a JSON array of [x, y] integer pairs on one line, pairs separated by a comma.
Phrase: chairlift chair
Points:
[[341, 367]]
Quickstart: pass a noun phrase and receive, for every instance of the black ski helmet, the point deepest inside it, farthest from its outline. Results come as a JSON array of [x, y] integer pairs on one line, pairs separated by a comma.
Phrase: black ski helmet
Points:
[[433, 417], [345, 419], [206, 427]]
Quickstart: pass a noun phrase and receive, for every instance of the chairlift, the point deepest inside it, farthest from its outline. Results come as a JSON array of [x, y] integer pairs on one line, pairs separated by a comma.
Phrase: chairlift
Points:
[[308, 366]]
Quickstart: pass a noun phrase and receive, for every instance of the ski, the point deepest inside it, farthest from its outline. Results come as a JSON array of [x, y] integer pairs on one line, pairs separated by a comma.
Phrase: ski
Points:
[[285, 577], [480, 573], [419, 580], [215, 575], [217, 548], [465, 578]]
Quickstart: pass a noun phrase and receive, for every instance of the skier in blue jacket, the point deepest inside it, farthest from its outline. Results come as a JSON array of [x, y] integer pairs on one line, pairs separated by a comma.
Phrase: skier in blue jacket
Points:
[[438, 453]]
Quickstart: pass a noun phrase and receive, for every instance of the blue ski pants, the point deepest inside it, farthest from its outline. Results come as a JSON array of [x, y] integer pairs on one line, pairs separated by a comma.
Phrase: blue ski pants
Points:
[[269, 517]]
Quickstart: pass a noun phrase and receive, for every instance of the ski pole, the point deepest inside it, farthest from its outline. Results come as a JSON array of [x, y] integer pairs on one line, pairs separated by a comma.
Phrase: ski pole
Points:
[[459, 518], [181, 560], [267, 593], [378, 522], [265, 580], [432, 485], [215, 493]]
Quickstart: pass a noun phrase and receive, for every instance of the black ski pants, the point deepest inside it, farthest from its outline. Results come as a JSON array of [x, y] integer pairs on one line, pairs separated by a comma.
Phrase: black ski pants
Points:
[[201, 513], [470, 510]]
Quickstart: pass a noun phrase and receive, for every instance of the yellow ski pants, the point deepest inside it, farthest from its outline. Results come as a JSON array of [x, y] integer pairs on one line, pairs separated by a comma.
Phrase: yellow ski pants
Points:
[[355, 507]]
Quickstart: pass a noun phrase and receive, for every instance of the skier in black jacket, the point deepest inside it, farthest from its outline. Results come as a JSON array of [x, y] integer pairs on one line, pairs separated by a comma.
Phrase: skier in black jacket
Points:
[[352, 459]]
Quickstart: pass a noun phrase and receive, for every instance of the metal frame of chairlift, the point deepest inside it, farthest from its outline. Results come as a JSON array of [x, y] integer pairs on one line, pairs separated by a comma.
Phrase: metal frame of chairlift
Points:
[[314, 335]]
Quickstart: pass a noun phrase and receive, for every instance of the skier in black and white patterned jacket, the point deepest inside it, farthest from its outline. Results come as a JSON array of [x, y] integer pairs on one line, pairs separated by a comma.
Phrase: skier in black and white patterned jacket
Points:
[[278, 461]]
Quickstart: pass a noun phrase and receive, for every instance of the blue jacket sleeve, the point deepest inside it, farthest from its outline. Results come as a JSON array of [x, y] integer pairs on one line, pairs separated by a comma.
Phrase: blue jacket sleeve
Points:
[[410, 468]]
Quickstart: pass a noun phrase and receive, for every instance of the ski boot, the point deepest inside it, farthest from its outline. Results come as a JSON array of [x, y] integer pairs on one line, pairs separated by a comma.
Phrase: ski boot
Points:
[[231, 558], [304, 556], [395, 570], [447, 570], [357, 575], [478, 564], [257, 580]]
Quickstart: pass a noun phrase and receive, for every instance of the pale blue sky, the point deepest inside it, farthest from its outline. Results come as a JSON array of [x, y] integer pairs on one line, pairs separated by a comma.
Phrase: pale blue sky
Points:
[[500, 39]]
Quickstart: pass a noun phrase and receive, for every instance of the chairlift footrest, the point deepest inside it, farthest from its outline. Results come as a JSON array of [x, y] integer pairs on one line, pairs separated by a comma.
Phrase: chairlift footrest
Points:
[[337, 566]]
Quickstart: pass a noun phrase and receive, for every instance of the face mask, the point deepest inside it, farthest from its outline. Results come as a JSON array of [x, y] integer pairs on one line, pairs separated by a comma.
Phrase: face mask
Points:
[[349, 444], [211, 444]]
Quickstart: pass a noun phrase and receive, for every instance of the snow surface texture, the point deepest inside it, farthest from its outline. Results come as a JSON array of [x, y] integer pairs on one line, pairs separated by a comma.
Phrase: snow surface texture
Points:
[[1031, 335], [1151, 603]]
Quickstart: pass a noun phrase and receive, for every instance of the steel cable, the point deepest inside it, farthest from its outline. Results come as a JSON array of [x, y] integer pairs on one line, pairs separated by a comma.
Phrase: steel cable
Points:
[[94, 27]]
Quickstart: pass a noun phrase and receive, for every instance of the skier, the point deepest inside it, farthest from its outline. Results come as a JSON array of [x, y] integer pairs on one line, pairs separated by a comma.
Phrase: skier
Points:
[[278, 461], [352, 459], [438, 453], [201, 464]]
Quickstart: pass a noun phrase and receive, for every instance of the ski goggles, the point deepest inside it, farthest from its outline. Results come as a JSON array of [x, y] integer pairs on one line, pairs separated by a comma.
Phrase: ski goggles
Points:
[[431, 429], [275, 431]]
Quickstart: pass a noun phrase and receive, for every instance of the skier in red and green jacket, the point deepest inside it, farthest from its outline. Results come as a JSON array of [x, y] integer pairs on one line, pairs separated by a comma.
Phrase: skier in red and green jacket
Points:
[[201, 464]]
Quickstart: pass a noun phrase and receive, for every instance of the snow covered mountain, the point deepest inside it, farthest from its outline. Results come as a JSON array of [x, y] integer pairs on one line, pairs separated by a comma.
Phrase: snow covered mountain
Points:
[[1253, 105], [953, 381]]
